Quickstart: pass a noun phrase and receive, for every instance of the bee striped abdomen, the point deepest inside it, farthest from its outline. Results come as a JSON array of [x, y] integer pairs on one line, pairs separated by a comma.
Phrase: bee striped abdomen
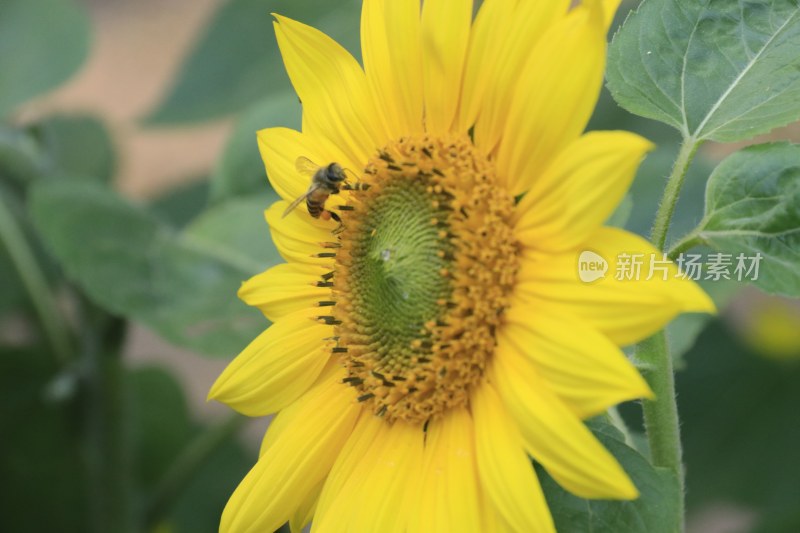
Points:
[[315, 207]]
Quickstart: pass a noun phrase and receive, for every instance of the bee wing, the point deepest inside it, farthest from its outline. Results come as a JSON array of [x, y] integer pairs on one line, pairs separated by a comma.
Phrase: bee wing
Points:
[[299, 199], [306, 166]]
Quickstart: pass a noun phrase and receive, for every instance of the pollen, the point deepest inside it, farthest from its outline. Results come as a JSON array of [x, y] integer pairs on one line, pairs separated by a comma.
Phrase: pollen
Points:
[[426, 263]]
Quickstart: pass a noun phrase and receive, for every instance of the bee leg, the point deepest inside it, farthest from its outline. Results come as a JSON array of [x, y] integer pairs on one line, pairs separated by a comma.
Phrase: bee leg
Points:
[[356, 186], [338, 219]]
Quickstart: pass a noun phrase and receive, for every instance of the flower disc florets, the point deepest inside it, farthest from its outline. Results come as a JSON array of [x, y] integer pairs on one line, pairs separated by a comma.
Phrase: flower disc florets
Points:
[[426, 263]]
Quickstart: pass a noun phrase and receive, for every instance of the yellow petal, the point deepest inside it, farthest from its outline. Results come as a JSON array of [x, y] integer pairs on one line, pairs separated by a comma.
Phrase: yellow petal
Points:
[[296, 463], [333, 89], [298, 236], [281, 147], [500, 72], [485, 45], [582, 366], [376, 495], [445, 36], [554, 97], [449, 497], [276, 368], [505, 471], [368, 435], [288, 417], [627, 311], [392, 480], [284, 289], [555, 437], [305, 511], [390, 42], [579, 190]]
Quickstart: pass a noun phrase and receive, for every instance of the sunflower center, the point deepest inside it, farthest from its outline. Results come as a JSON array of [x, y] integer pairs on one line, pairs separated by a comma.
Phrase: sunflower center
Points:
[[427, 260]]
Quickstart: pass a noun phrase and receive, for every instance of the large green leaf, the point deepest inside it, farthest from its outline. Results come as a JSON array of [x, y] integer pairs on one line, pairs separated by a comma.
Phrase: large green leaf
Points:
[[237, 62], [182, 284], [724, 70], [42, 42], [753, 207], [240, 170], [78, 146], [652, 512]]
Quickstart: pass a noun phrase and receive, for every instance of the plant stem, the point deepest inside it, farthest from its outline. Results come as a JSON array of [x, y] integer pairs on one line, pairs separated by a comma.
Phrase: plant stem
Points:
[[669, 199], [661, 415], [35, 283], [107, 435], [191, 459], [689, 241]]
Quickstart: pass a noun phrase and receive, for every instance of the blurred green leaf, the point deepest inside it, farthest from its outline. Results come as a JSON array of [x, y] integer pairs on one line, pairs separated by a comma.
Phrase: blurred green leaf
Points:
[[237, 63], [650, 513], [723, 71], [20, 156], [181, 284], [179, 206], [753, 206], [740, 429], [41, 464], [164, 429], [161, 420], [240, 171], [42, 42], [77, 146], [200, 507]]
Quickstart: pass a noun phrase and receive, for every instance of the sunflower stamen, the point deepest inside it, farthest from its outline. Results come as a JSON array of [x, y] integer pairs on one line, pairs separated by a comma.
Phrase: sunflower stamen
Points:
[[426, 263]]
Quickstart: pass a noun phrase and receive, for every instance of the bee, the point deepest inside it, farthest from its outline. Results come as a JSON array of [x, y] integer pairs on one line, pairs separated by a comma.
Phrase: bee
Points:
[[325, 180]]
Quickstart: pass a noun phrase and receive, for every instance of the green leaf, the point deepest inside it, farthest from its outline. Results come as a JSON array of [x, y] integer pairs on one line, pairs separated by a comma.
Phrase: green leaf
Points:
[[161, 419], [20, 156], [753, 207], [164, 430], [652, 511], [240, 171], [181, 284], [723, 70], [237, 62], [42, 42], [77, 146], [180, 206]]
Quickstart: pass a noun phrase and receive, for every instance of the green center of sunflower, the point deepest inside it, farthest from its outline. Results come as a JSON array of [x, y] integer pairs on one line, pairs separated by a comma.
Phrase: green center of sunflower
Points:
[[426, 262]]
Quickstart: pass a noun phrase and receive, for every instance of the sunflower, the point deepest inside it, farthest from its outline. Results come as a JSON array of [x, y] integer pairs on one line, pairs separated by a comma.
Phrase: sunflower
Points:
[[428, 345]]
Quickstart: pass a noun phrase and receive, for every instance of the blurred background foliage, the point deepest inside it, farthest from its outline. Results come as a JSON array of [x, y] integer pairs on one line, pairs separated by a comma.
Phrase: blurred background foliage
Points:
[[96, 437]]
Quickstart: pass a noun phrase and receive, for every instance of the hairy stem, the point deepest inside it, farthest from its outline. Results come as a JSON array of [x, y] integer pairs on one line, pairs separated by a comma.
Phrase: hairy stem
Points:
[[661, 415], [671, 193]]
